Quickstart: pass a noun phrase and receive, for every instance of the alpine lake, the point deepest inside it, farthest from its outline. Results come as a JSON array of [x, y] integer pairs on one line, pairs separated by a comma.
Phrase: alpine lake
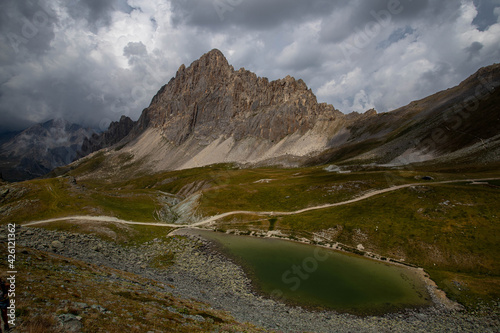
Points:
[[318, 278]]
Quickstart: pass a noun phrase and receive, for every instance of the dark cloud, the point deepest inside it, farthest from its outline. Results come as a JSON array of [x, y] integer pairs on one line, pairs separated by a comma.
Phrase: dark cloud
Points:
[[361, 15], [474, 49], [396, 36], [255, 14], [435, 78], [54, 65], [41, 92], [27, 28], [96, 12], [90, 61], [135, 49]]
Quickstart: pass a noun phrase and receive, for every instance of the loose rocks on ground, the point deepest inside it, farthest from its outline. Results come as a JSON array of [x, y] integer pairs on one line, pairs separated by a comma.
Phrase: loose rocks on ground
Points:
[[198, 271]]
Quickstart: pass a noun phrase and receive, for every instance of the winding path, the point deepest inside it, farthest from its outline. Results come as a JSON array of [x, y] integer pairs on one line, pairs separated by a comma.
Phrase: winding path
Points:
[[245, 212]]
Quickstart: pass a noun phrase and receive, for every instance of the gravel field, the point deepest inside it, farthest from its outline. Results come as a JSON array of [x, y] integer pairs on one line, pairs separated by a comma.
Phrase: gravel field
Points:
[[199, 271]]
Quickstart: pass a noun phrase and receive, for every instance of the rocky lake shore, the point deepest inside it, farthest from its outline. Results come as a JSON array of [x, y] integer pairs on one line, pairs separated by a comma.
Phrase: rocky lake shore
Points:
[[190, 267]]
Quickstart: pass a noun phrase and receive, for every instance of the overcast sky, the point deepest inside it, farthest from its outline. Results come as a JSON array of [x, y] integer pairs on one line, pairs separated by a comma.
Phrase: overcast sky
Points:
[[90, 61]]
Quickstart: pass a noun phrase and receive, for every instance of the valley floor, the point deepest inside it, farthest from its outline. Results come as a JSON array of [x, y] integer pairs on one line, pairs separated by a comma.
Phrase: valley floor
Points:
[[211, 219], [190, 268]]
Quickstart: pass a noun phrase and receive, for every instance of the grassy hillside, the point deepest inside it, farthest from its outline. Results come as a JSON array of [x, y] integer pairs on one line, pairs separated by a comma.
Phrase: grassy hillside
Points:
[[452, 230], [58, 197]]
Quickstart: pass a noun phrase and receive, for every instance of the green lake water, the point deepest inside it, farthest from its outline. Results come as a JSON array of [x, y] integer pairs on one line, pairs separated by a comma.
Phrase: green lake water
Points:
[[316, 277]]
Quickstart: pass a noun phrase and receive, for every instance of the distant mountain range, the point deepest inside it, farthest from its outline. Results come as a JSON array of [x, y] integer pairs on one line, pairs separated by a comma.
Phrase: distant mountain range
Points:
[[211, 113], [41, 148]]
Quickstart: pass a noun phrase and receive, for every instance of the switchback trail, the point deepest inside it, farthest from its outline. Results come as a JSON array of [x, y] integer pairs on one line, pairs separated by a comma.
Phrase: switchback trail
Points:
[[244, 212]]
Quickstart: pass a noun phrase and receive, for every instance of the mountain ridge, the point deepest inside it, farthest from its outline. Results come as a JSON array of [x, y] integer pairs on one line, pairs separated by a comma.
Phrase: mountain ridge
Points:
[[211, 113], [117, 130], [210, 92]]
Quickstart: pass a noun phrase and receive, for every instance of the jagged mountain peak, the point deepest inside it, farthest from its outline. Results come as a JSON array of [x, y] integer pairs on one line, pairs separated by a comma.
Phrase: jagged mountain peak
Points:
[[210, 104], [213, 63], [210, 99], [117, 130], [214, 58], [213, 68]]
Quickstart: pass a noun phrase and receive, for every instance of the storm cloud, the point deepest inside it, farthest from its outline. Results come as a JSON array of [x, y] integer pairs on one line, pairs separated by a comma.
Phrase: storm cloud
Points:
[[90, 61]]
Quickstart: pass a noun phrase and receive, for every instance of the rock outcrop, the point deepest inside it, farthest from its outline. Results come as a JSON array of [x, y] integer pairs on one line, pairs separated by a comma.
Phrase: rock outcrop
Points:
[[209, 99], [211, 113], [117, 130]]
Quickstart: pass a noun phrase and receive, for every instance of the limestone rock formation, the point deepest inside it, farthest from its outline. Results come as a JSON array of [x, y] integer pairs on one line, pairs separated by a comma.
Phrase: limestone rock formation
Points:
[[117, 130], [210, 98], [210, 113]]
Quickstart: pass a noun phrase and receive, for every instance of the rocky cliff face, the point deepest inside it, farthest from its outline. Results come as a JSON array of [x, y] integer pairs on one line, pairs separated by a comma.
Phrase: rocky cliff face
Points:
[[117, 130], [41, 148], [210, 99], [210, 113]]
